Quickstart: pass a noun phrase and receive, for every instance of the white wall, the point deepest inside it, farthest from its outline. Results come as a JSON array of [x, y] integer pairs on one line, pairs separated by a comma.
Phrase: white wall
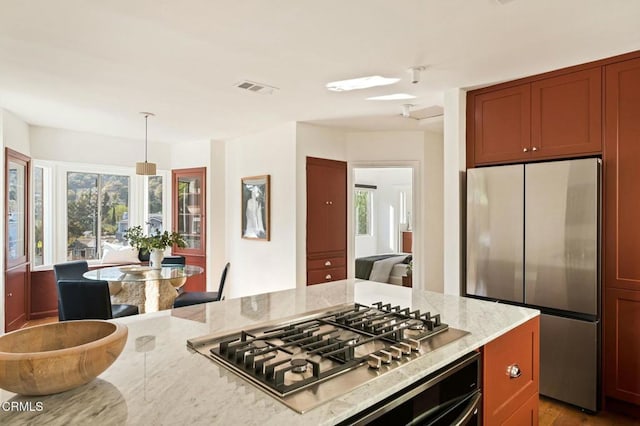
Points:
[[14, 134], [455, 166], [263, 266], [434, 211], [312, 141], [80, 147], [406, 149], [216, 206]]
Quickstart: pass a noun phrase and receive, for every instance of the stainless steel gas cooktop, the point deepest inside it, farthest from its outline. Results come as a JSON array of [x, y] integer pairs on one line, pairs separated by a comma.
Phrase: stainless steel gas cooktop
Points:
[[308, 360]]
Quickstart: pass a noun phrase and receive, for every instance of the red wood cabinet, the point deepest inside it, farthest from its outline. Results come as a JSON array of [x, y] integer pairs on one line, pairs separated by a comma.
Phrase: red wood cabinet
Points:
[[527, 414], [15, 296], [622, 344], [622, 231], [566, 115], [326, 220], [552, 117], [501, 124], [16, 245], [190, 220], [407, 241], [507, 395]]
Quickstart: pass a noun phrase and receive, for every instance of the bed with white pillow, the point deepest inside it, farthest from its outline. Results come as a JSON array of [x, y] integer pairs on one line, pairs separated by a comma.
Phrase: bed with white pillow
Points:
[[384, 268]]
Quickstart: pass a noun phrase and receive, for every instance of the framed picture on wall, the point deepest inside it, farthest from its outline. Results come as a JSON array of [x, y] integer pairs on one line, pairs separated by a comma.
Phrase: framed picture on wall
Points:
[[255, 209]]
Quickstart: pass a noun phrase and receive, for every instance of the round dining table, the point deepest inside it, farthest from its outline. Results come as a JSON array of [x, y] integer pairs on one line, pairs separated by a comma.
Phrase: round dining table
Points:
[[151, 289]]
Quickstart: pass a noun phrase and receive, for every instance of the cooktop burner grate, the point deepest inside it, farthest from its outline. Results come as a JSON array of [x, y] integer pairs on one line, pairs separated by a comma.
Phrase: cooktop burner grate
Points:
[[338, 349]]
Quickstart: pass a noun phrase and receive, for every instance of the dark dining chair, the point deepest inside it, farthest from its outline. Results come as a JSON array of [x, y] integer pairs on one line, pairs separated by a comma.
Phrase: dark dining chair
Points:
[[174, 260], [189, 298], [88, 299], [71, 270], [71, 295]]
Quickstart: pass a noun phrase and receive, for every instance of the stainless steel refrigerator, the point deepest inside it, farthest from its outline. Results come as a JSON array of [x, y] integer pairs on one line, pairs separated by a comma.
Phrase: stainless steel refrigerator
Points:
[[533, 238]]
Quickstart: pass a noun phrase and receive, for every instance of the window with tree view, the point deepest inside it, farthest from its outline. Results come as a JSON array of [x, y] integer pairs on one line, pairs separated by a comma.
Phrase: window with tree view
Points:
[[97, 213], [363, 204], [38, 215], [154, 215]]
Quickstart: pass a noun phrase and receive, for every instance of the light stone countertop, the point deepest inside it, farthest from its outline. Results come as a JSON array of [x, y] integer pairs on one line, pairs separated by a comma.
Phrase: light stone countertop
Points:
[[157, 380]]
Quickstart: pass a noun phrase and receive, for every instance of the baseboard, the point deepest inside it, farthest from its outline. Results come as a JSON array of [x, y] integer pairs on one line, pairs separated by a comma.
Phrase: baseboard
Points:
[[622, 407]]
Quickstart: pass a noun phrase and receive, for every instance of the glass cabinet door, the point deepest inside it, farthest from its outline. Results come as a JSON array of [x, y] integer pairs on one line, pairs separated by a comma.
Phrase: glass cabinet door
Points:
[[16, 220], [189, 215]]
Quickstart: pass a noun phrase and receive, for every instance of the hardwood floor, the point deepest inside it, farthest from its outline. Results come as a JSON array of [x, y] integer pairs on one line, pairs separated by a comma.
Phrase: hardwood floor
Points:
[[556, 413], [551, 412], [40, 321]]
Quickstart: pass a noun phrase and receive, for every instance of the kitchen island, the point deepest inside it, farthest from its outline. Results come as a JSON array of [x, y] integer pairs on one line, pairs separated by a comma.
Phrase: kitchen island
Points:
[[157, 380]]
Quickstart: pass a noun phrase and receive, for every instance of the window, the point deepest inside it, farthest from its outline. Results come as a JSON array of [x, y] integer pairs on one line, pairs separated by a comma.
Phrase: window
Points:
[[154, 204], [97, 212], [77, 208], [38, 216], [364, 208]]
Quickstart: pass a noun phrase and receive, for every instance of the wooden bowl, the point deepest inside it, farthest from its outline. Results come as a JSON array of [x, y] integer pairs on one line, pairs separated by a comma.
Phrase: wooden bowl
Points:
[[53, 358]]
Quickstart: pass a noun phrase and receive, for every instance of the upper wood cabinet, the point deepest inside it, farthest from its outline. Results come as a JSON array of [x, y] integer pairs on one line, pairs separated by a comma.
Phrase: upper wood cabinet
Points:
[[189, 220], [551, 117], [566, 114], [501, 124]]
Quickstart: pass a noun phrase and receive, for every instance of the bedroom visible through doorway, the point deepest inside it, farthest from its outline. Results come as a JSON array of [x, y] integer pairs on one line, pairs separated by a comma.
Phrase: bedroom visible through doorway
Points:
[[383, 228]]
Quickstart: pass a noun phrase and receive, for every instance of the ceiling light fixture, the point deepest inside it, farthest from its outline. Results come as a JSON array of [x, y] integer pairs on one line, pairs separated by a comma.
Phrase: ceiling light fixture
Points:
[[146, 168], [394, 97], [360, 83], [406, 110], [415, 73]]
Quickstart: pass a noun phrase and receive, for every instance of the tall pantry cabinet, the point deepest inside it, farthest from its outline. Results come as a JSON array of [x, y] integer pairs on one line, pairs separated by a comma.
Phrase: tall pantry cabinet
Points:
[[622, 231], [326, 220]]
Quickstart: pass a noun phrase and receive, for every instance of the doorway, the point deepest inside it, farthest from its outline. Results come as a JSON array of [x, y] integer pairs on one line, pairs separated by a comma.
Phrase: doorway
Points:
[[383, 223]]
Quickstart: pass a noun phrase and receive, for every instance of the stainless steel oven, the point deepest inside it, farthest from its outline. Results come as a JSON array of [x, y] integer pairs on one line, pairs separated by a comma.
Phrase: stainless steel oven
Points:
[[450, 396]]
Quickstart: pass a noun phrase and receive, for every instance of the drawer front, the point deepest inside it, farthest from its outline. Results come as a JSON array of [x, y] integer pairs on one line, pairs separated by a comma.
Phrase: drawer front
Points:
[[328, 263], [511, 371], [526, 415], [324, 276]]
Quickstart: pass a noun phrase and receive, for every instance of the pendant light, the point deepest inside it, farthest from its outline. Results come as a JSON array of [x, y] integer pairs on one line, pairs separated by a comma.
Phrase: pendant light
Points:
[[146, 168]]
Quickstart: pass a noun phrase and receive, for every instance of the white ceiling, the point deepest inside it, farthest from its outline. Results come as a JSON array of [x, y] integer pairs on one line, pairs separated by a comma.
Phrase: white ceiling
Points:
[[92, 65]]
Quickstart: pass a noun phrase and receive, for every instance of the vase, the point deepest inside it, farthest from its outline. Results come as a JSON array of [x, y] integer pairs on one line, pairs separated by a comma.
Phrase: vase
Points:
[[155, 258]]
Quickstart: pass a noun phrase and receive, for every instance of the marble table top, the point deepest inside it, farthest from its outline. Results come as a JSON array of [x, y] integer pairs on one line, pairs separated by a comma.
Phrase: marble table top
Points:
[[157, 380]]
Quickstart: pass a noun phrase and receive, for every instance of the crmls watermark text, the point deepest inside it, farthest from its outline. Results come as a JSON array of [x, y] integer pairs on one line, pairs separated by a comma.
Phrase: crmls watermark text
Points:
[[21, 406]]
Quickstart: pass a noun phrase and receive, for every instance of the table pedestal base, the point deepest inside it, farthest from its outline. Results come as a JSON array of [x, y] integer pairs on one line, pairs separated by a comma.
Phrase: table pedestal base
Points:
[[150, 296]]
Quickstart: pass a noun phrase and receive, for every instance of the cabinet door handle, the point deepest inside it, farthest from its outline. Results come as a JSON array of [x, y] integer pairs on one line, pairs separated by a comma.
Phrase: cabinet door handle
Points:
[[10, 294], [513, 371], [534, 149], [525, 149], [330, 202], [327, 277], [327, 263]]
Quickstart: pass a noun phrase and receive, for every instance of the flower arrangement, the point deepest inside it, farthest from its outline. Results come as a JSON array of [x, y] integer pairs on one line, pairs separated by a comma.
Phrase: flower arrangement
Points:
[[160, 240]]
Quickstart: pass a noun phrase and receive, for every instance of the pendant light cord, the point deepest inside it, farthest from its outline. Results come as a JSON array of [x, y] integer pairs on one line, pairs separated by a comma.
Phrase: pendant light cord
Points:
[[146, 122]]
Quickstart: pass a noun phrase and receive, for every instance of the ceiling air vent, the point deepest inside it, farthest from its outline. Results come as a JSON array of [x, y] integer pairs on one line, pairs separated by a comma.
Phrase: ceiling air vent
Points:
[[252, 86]]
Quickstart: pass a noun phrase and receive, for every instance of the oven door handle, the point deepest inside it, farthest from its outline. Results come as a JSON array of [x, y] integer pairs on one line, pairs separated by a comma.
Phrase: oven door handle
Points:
[[463, 418], [437, 416]]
